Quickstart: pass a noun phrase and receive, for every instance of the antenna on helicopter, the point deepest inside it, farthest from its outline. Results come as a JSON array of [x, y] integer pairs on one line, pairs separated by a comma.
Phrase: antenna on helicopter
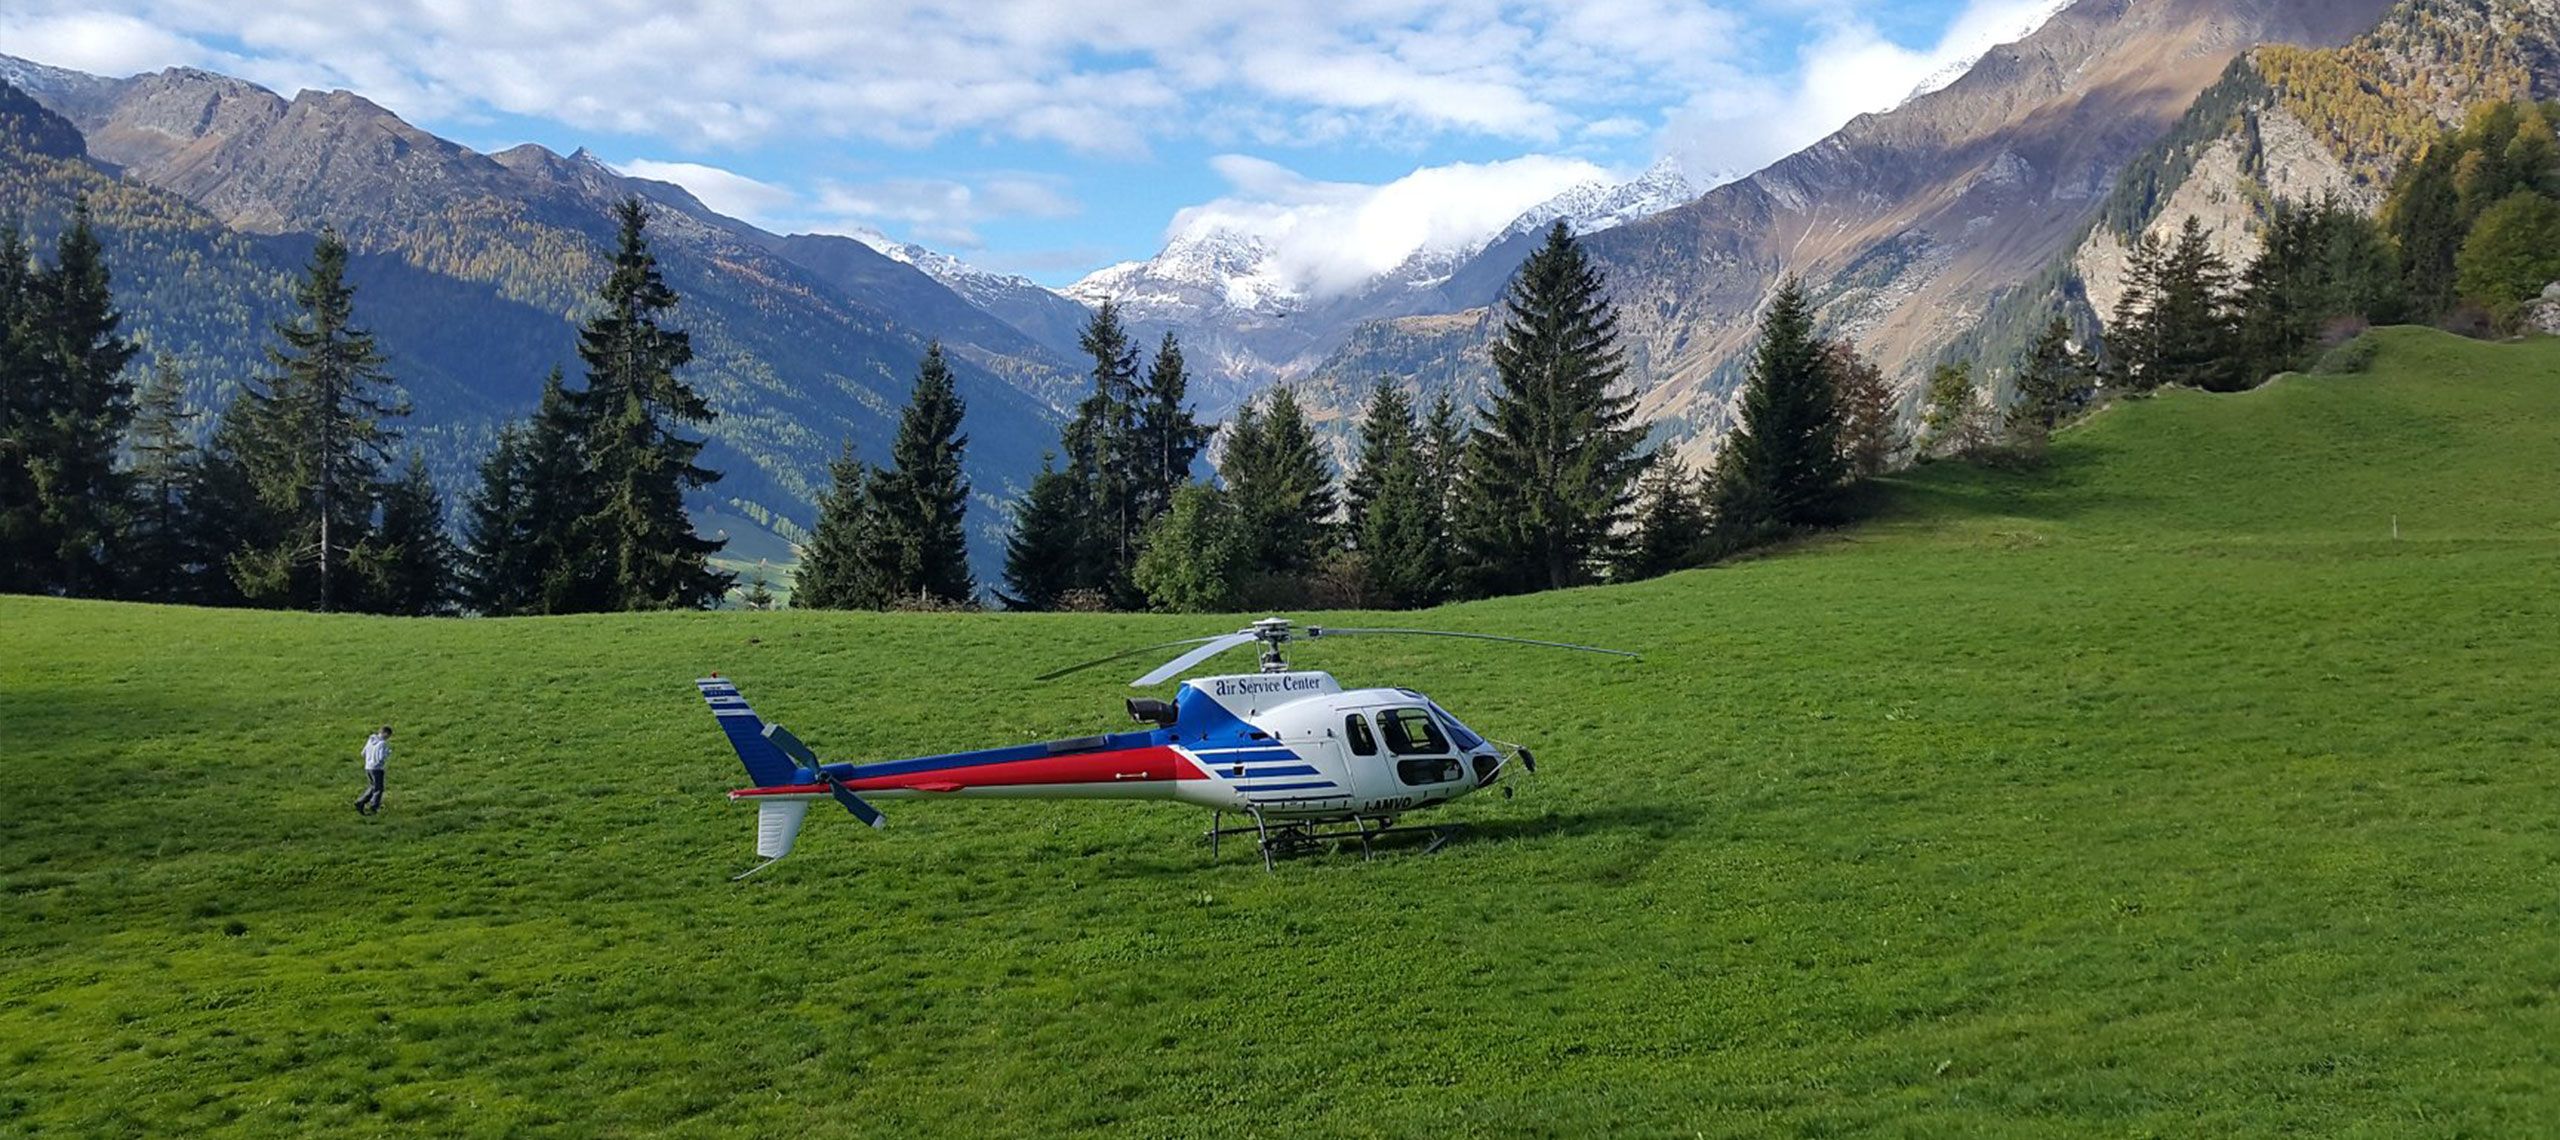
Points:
[[1274, 635]]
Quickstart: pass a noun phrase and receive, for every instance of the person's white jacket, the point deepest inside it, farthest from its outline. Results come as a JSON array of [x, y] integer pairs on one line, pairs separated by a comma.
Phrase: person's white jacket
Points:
[[377, 750]]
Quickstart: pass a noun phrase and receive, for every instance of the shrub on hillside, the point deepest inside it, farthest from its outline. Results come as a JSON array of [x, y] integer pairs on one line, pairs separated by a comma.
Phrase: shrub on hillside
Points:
[[2347, 359]]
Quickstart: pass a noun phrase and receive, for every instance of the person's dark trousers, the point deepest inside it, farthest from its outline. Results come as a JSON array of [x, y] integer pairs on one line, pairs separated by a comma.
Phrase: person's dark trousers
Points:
[[371, 800]]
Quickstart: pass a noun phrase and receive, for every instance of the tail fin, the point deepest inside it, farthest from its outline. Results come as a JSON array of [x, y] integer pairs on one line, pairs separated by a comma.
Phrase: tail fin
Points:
[[766, 764]]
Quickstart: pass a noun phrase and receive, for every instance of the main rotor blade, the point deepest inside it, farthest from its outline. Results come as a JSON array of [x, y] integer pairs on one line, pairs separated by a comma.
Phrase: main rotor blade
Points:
[[1123, 653], [1330, 631], [1183, 664]]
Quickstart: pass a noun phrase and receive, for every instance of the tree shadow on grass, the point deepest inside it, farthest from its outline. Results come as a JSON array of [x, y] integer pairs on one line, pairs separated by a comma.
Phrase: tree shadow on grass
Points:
[[2064, 486]]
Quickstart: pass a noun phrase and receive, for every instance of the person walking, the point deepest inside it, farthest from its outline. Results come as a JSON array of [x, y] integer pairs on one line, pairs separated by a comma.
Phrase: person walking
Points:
[[377, 752]]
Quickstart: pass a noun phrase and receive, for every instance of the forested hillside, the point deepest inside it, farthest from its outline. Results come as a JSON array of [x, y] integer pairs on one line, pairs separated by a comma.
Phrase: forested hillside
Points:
[[473, 269]]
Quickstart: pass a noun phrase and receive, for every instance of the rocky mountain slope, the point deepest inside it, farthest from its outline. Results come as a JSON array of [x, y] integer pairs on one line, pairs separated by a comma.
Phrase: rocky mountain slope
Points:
[[1907, 225], [797, 357], [1037, 311], [2294, 124]]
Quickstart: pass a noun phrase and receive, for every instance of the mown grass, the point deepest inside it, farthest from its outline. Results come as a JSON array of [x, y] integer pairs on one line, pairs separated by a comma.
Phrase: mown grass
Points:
[[2162, 793]]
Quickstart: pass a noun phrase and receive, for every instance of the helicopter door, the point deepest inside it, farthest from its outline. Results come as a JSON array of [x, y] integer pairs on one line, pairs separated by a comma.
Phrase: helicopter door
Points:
[[1416, 768]]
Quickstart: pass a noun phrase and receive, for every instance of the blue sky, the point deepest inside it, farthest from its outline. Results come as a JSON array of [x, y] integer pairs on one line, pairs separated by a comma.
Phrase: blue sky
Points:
[[1051, 139]]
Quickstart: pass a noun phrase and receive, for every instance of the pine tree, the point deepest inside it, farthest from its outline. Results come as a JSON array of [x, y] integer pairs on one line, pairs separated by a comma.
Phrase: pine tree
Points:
[[922, 497], [2053, 381], [1443, 448], [312, 443], [2189, 325], [1103, 455], [163, 557], [1870, 418], [1781, 467], [497, 574], [1386, 431], [18, 532], [641, 467], [2132, 354], [1671, 523], [1041, 556], [1551, 468], [412, 558], [840, 567], [79, 407], [1280, 487], [759, 594], [1168, 438], [2424, 216]]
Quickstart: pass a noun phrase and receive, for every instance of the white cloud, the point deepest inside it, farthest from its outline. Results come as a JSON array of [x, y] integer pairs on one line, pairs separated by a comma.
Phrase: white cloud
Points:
[[101, 43], [1847, 70], [727, 192], [938, 211], [1101, 76], [1327, 237]]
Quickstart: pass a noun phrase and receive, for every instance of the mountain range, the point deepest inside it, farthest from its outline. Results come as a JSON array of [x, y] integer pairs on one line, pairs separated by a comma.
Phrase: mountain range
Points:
[[1907, 226], [1947, 226], [475, 270]]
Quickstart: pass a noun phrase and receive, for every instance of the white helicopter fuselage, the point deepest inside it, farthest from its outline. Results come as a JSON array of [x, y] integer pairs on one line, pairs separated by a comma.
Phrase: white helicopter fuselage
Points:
[[1299, 746]]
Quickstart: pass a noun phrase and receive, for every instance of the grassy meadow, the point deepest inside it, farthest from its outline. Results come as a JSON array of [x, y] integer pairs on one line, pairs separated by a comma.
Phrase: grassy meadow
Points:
[[2165, 792]]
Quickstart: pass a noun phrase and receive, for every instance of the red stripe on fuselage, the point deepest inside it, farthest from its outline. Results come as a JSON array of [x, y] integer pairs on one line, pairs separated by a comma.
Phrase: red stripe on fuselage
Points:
[[1121, 766]]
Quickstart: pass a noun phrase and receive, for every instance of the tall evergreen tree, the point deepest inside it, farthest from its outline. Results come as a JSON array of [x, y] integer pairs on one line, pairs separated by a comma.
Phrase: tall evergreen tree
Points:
[[412, 558], [1168, 438], [922, 498], [1671, 522], [2053, 381], [2424, 215], [1042, 555], [498, 573], [639, 463], [1443, 448], [312, 441], [1103, 455], [163, 556], [2132, 352], [1782, 465], [840, 567], [1280, 486], [1386, 431], [81, 403], [19, 541], [1553, 462], [2190, 322]]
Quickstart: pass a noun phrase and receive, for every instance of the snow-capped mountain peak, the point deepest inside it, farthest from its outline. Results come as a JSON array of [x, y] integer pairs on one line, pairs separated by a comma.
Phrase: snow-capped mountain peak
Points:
[[985, 288], [1599, 205], [1208, 268], [1956, 68]]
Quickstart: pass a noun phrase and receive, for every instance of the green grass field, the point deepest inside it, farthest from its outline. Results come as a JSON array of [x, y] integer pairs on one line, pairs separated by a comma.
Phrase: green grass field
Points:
[[2165, 792]]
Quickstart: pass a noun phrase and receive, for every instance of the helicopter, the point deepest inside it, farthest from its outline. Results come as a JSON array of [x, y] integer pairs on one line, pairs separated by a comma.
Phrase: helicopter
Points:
[[1305, 760]]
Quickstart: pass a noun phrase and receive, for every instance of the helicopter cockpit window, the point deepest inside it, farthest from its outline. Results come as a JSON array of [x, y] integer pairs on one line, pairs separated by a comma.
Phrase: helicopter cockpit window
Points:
[[1467, 741], [1411, 732], [1356, 728]]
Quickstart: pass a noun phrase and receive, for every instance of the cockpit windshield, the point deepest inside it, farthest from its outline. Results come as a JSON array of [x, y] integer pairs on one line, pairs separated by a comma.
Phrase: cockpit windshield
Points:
[[1458, 734]]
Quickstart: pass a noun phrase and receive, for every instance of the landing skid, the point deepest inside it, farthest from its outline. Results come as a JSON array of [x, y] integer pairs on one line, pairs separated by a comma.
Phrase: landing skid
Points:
[[1300, 837]]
